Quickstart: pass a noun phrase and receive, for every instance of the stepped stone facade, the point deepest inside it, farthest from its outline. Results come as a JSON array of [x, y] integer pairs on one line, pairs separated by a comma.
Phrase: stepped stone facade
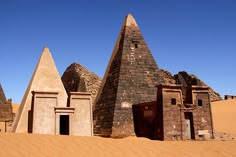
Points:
[[6, 114], [77, 78], [46, 108], [130, 78]]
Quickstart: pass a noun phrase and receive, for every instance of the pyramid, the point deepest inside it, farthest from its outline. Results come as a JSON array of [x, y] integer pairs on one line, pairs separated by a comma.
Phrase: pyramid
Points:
[[45, 79], [5, 109], [77, 78], [2, 96], [130, 78]]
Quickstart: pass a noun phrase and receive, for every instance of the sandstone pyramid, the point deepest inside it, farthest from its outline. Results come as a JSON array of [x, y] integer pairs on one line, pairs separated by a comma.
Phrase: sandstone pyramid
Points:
[[131, 77], [77, 78], [45, 79]]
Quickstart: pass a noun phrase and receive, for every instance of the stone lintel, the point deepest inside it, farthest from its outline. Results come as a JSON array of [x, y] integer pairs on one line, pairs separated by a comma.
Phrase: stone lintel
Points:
[[199, 87], [169, 86], [64, 109], [79, 95], [45, 94]]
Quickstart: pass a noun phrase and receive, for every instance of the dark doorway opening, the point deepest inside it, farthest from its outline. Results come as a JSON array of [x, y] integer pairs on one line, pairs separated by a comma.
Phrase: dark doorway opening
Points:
[[143, 117], [64, 124], [189, 129]]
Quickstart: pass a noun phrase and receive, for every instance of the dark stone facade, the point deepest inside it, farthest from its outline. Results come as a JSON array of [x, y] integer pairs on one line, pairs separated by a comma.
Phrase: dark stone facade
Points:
[[130, 78], [173, 118], [182, 119]]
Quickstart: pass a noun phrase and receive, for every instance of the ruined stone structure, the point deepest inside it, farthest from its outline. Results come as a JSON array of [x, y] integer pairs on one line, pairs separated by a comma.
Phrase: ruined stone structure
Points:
[[172, 117], [46, 108], [77, 78], [179, 118], [186, 79], [130, 78], [6, 115], [227, 97], [2, 96]]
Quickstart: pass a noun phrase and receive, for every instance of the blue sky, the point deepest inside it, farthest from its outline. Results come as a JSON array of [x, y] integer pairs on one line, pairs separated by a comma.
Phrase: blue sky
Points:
[[198, 36]]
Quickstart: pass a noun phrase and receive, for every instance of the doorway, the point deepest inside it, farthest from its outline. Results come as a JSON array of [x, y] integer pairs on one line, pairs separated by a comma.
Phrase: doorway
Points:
[[189, 127], [64, 125], [144, 119]]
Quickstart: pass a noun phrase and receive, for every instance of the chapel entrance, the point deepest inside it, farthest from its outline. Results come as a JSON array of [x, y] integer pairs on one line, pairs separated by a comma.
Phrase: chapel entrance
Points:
[[144, 119], [64, 125], [189, 128]]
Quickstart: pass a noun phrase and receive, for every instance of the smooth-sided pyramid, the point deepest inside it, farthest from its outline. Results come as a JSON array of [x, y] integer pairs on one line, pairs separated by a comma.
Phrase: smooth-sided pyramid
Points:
[[131, 77], [45, 79]]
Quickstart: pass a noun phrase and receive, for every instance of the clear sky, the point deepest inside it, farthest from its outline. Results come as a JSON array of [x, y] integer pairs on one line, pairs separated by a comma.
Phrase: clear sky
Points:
[[198, 36]]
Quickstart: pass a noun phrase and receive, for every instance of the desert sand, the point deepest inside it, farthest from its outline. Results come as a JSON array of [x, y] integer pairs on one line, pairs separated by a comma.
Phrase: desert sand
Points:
[[224, 114]]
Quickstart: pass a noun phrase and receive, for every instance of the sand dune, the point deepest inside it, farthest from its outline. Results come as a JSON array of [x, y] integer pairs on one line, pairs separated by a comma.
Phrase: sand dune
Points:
[[16, 145], [224, 116], [22, 145], [15, 107]]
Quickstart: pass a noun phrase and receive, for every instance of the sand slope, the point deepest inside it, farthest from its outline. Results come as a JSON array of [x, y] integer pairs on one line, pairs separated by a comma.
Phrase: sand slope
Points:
[[224, 116], [22, 145]]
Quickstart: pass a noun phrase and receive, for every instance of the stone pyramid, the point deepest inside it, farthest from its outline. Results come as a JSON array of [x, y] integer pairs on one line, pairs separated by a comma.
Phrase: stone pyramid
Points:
[[77, 78], [131, 77], [45, 79], [2, 96]]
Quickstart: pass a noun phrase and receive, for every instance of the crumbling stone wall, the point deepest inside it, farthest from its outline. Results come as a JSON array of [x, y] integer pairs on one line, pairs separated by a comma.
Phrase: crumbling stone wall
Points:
[[189, 79], [230, 97], [172, 115], [77, 78], [6, 114]]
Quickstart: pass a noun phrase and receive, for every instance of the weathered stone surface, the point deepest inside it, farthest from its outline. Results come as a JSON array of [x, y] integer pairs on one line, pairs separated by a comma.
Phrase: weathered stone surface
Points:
[[167, 77], [6, 114], [171, 117], [2, 96], [77, 78], [230, 97], [189, 79], [130, 78]]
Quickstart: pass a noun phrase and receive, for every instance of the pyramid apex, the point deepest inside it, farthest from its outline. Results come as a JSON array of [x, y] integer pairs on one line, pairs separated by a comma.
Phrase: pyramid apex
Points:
[[130, 21], [45, 48]]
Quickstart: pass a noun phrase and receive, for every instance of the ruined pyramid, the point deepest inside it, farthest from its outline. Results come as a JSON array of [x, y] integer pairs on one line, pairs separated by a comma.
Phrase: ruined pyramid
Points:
[[5, 109], [45, 79], [2, 95], [130, 78]]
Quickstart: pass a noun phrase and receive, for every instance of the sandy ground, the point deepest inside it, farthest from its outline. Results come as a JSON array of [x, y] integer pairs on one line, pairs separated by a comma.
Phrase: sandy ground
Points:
[[22, 145], [15, 107], [224, 116]]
